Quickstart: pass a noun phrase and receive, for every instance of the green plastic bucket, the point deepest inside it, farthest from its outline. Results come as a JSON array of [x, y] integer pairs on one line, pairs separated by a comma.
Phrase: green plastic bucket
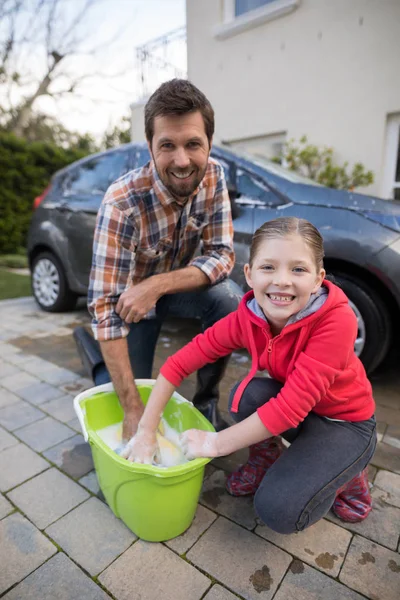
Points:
[[156, 503]]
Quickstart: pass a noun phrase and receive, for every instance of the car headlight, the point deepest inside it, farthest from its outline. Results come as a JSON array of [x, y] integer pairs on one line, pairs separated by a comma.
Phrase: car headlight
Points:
[[389, 221]]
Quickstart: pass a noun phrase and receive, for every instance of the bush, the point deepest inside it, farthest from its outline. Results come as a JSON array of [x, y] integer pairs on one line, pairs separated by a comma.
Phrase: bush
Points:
[[26, 168], [319, 164], [13, 261]]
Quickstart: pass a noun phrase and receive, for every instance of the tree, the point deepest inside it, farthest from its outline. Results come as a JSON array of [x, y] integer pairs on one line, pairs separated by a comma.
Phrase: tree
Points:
[[319, 164], [26, 170], [120, 134], [49, 31]]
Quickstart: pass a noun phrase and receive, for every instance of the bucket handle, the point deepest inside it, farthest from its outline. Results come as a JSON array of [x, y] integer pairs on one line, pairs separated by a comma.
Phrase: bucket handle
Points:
[[108, 387]]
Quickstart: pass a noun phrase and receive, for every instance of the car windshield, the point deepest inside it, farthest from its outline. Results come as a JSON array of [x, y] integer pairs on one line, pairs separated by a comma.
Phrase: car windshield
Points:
[[272, 167]]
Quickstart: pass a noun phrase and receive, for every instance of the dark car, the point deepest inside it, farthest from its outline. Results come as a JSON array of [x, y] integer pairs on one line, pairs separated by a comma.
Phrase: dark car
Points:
[[361, 233]]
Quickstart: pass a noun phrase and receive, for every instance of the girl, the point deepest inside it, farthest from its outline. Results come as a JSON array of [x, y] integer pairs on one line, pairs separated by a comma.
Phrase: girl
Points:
[[300, 328]]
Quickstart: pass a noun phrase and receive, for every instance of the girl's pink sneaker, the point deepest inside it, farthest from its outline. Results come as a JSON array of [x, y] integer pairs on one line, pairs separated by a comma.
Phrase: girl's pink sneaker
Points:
[[247, 478], [353, 501]]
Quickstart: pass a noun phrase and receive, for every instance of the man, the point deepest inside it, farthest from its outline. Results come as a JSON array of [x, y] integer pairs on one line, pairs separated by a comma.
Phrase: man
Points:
[[144, 267]]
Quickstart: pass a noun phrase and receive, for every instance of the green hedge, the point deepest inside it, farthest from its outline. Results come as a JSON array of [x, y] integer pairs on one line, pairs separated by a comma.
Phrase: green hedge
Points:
[[25, 170]]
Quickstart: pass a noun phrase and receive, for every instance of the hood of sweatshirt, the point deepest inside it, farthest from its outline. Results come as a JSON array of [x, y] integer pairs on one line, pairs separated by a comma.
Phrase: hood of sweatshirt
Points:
[[328, 296]]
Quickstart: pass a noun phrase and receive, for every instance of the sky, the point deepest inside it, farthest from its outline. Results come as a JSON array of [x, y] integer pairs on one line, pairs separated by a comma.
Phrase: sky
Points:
[[106, 97]]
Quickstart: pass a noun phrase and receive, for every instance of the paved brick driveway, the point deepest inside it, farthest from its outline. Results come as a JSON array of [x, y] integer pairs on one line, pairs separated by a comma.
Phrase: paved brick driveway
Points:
[[58, 540]]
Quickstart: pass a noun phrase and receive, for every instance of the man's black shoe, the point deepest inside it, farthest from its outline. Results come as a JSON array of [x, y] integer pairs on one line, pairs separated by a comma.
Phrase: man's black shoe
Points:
[[89, 350], [211, 412]]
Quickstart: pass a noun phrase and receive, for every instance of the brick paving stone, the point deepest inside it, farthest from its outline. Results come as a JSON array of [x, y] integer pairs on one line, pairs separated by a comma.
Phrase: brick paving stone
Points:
[[18, 358], [305, 583], [5, 507], [323, 545], [6, 439], [202, 521], [382, 524], [39, 393], [215, 496], [47, 497], [18, 415], [217, 592], [44, 434], [7, 398], [380, 431], [58, 579], [387, 397], [76, 387], [58, 376], [230, 463], [90, 482], [389, 483], [372, 570], [18, 464], [7, 349], [387, 415], [22, 550], [37, 366], [392, 436], [62, 408], [386, 457], [162, 575], [7, 369], [75, 425], [372, 471], [91, 535], [240, 560], [18, 381], [73, 456]]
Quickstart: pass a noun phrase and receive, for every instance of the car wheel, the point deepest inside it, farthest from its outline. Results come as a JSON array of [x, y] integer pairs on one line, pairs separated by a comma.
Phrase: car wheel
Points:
[[49, 284], [374, 325]]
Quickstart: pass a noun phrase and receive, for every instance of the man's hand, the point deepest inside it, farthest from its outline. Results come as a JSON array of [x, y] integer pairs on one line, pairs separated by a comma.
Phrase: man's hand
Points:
[[136, 302], [142, 447], [199, 444], [132, 417]]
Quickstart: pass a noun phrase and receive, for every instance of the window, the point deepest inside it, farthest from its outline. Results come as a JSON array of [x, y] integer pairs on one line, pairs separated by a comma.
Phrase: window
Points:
[[96, 175], [253, 191], [141, 156], [244, 6], [241, 15], [391, 175]]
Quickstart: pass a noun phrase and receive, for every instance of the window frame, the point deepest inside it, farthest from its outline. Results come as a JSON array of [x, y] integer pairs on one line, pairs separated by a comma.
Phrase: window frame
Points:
[[250, 201], [66, 193], [392, 151], [233, 25]]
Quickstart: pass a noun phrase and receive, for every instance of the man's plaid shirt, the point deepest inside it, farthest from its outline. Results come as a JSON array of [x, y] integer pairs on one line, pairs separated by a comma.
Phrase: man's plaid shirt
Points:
[[142, 230]]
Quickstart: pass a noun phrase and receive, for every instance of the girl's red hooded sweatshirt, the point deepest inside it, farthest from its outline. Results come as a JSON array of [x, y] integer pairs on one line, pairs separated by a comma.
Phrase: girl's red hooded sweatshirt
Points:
[[314, 358]]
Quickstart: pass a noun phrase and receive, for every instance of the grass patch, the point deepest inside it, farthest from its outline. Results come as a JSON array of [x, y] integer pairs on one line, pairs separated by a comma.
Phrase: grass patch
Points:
[[13, 285], [14, 261]]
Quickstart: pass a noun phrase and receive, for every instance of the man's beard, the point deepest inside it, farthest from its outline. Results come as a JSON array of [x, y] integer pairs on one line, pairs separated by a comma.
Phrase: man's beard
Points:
[[182, 190]]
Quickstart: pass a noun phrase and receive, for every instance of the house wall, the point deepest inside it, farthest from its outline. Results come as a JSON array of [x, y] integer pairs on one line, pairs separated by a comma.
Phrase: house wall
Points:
[[329, 69]]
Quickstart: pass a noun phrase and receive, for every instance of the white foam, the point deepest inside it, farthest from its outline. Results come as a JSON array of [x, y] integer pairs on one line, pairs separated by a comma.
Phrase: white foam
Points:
[[169, 452]]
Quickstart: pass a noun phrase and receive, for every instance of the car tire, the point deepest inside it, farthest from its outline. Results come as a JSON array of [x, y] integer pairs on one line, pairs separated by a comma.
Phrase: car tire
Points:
[[373, 318], [49, 284]]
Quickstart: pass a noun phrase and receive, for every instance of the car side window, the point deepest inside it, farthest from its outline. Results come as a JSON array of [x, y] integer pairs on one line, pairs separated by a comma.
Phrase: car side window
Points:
[[252, 190], [141, 156], [96, 175]]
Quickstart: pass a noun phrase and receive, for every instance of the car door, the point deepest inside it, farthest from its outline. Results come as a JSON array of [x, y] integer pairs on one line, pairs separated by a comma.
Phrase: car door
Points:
[[83, 189]]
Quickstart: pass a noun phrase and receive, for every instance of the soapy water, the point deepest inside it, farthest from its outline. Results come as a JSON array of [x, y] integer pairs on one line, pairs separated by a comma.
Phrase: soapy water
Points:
[[169, 452]]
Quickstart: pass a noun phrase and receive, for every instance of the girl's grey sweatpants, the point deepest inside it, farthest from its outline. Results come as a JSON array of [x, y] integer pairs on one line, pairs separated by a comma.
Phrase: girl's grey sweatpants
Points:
[[300, 487]]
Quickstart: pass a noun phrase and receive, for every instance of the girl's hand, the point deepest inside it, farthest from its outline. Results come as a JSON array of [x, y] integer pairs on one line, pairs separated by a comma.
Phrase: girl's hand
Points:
[[199, 444], [141, 448]]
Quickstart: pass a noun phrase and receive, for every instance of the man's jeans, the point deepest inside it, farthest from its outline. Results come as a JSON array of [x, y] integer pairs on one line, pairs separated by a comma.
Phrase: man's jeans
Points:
[[300, 487], [209, 305]]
